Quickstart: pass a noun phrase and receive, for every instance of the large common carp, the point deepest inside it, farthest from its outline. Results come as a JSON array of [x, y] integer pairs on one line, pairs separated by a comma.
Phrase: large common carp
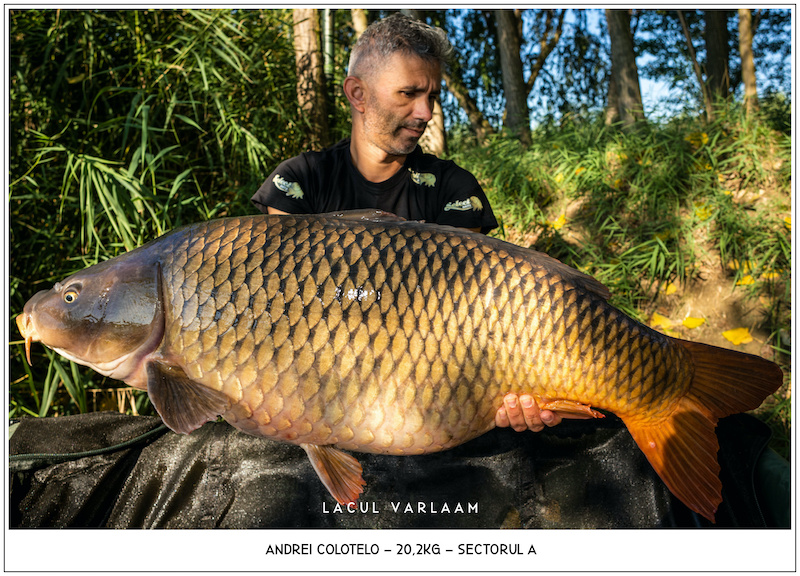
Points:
[[362, 332]]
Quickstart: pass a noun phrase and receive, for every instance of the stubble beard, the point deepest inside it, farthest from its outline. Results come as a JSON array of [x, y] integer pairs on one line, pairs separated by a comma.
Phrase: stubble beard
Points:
[[383, 129]]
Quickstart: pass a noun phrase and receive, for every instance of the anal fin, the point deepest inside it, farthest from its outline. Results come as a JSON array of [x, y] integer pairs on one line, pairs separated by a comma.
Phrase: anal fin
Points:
[[338, 471], [183, 404]]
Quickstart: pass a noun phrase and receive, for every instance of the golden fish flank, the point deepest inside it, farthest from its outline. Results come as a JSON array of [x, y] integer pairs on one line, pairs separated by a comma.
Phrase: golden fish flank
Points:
[[362, 332]]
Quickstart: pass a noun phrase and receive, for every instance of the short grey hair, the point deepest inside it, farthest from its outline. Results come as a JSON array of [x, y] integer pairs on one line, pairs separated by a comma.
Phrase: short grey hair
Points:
[[398, 33]]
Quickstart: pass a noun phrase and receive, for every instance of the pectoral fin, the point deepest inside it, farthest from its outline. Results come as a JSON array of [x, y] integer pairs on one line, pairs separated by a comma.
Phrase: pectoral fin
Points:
[[339, 472], [183, 404]]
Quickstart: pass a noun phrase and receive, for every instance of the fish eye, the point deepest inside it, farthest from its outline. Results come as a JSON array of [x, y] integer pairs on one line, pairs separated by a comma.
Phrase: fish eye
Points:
[[70, 296]]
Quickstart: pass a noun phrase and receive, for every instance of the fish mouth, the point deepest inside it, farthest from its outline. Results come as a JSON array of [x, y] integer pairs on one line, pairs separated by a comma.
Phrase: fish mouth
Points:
[[28, 331]]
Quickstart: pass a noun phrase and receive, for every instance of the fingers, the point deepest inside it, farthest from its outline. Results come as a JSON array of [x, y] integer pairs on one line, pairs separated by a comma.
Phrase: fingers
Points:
[[525, 413], [501, 418], [522, 413]]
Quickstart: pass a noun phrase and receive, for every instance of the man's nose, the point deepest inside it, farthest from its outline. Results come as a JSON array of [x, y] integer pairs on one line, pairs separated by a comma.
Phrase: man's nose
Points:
[[423, 110]]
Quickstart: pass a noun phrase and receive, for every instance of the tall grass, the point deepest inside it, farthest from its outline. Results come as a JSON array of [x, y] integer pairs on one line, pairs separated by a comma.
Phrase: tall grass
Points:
[[123, 125]]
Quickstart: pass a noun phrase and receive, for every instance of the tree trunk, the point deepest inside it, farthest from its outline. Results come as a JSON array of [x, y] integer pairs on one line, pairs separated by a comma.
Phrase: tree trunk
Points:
[[434, 140], [359, 16], [748, 64], [696, 65], [477, 120], [311, 93], [612, 99], [717, 54], [623, 67], [517, 119]]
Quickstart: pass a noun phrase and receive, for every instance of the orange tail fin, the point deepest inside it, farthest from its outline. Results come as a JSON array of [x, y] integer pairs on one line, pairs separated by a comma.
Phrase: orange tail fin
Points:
[[682, 448]]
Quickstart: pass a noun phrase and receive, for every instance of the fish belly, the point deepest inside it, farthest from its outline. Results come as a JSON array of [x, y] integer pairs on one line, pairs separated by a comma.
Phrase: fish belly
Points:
[[397, 339]]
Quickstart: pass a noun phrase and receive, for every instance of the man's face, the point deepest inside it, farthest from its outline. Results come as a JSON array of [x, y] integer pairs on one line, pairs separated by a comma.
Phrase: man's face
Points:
[[399, 102]]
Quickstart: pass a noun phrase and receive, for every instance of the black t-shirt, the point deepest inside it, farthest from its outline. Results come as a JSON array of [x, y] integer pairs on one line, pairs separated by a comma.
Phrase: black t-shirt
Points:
[[426, 188]]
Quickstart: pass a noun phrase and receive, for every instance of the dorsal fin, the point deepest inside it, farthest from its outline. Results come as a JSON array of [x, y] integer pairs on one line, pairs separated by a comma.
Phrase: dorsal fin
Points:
[[339, 472], [183, 404]]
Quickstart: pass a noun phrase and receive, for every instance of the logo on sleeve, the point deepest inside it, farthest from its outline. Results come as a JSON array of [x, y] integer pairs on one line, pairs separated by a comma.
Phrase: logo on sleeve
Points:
[[292, 189], [423, 179], [472, 203]]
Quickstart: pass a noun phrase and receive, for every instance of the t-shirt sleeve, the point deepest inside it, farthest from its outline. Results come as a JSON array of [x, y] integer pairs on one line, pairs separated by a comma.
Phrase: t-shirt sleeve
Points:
[[287, 188], [464, 202]]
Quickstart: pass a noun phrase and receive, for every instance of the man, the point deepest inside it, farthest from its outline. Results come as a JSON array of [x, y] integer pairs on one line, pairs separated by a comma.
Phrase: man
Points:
[[394, 79]]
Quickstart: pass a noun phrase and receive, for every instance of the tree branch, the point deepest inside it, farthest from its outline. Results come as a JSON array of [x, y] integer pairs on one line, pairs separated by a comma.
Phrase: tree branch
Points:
[[476, 118], [696, 66], [546, 45]]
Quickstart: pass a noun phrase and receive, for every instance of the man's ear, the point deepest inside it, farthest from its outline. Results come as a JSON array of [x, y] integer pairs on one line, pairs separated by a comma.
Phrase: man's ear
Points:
[[354, 90]]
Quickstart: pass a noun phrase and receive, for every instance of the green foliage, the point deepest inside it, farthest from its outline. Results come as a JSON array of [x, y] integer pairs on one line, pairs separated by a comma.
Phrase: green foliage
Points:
[[624, 191], [662, 46], [577, 72], [123, 125]]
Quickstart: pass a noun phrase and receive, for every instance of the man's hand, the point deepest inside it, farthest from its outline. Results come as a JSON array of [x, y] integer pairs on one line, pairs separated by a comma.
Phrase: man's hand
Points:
[[522, 413]]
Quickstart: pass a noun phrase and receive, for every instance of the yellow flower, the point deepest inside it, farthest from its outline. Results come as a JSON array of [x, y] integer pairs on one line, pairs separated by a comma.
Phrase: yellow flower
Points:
[[659, 321], [738, 336], [558, 223], [720, 177], [702, 211], [579, 169], [746, 265], [771, 274], [746, 280], [692, 323], [788, 222], [559, 178], [622, 156], [670, 289], [697, 139], [728, 192]]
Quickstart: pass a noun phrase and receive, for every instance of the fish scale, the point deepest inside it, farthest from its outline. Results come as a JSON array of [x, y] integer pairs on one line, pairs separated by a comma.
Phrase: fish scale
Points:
[[409, 296], [361, 332]]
